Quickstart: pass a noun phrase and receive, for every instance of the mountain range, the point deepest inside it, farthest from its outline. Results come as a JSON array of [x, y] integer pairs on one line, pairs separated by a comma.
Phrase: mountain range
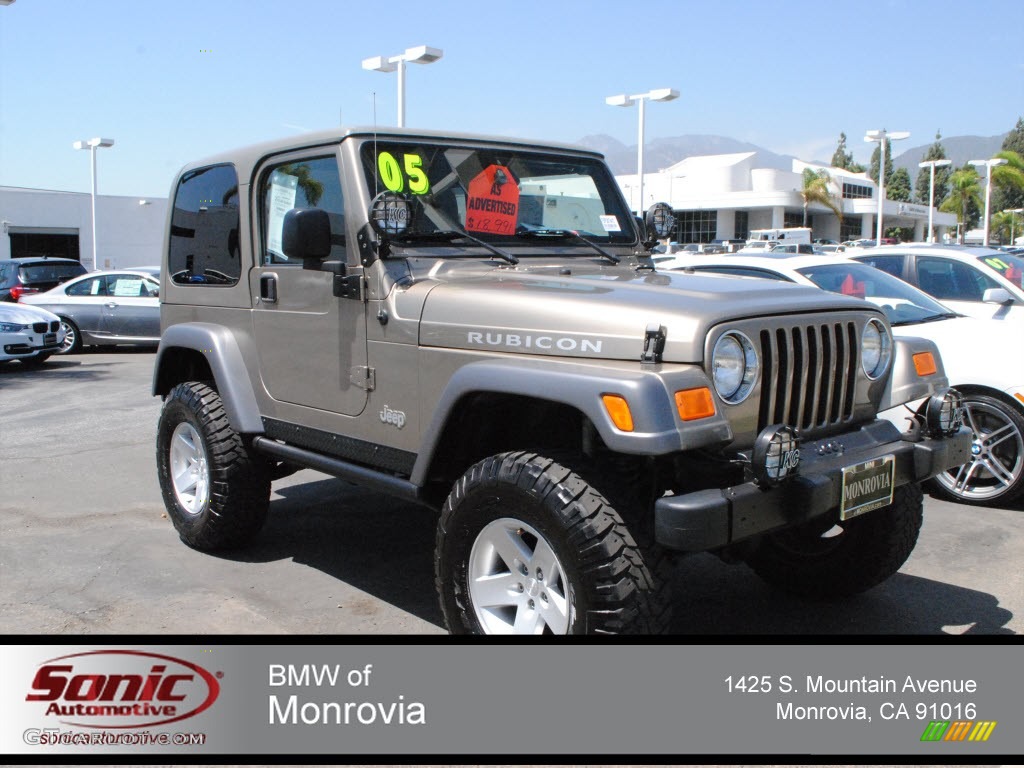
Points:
[[661, 153]]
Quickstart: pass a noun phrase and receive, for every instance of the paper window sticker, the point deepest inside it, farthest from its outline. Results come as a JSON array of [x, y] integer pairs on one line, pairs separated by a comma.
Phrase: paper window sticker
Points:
[[282, 199], [610, 223]]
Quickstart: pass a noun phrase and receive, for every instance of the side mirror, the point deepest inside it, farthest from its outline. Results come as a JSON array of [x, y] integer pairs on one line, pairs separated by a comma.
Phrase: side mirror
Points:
[[997, 296], [306, 235]]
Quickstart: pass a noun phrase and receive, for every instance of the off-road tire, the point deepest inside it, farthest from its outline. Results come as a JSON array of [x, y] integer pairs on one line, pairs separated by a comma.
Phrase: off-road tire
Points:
[[870, 549], [614, 583], [239, 485], [991, 415]]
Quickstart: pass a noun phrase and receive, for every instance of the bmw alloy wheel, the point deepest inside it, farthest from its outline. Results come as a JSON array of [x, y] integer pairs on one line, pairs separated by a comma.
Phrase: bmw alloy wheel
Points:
[[997, 455]]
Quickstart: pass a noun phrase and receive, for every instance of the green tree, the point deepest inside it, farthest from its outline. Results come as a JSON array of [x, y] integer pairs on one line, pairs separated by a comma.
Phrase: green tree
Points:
[[841, 158], [1008, 182], [921, 186], [1014, 141], [873, 171], [964, 198], [898, 186], [1006, 226], [816, 190]]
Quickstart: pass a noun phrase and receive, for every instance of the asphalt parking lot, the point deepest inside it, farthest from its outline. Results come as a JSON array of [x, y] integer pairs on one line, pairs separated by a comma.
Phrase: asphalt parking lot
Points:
[[85, 546]]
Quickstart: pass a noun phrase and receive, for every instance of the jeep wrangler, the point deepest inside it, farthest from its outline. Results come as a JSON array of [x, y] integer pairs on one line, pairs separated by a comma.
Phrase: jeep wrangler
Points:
[[476, 324]]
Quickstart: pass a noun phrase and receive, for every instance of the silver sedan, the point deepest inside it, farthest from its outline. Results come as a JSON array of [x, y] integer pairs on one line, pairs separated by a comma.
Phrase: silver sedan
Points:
[[114, 307]]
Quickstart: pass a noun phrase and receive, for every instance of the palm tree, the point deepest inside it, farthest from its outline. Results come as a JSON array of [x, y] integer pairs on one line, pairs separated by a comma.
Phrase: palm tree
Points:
[[1009, 177], [816, 190], [964, 189]]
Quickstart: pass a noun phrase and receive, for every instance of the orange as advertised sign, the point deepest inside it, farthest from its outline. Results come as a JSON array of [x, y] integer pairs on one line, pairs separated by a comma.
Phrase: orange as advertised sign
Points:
[[493, 203]]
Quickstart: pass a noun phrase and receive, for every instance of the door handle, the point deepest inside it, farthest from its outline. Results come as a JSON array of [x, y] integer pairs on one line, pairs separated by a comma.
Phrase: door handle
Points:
[[268, 289], [112, 305]]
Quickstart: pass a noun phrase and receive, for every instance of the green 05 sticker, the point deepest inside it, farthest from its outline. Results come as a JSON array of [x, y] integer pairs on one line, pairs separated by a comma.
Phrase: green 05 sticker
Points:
[[395, 174]]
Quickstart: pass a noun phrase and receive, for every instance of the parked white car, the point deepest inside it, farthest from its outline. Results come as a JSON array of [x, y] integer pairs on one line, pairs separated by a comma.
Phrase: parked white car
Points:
[[28, 334], [974, 281], [974, 353]]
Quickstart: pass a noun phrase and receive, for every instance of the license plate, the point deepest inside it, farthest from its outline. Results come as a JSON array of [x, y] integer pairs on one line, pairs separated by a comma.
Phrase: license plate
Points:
[[867, 486]]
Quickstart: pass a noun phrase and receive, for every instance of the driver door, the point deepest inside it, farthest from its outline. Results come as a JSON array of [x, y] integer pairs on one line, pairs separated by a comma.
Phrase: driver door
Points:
[[311, 344]]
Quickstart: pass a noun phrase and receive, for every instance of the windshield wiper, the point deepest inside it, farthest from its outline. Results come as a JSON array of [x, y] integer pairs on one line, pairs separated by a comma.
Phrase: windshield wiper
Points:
[[559, 234], [933, 318], [447, 235]]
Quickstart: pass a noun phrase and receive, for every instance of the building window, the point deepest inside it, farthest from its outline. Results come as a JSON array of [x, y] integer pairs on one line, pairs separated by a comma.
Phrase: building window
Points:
[[857, 192], [791, 220], [696, 226], [850, 229], [742, 230]]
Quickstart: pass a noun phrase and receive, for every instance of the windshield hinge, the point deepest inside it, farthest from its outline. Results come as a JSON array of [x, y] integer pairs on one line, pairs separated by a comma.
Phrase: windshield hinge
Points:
[[654, 343], [363, 377]]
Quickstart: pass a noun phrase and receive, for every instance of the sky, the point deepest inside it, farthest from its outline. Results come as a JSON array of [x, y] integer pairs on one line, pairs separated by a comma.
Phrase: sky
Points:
[[172, 81]]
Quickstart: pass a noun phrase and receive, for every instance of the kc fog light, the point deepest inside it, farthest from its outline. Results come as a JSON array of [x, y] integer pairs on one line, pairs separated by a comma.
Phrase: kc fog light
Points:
[[776, 455], [945, 413]]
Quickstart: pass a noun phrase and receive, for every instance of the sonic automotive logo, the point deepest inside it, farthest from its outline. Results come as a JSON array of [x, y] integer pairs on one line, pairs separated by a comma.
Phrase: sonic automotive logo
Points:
[[122, 689]]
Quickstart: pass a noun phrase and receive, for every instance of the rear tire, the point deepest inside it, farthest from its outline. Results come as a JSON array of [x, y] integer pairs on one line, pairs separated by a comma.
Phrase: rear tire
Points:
[[216, 491], [525, 545], [868, 550]]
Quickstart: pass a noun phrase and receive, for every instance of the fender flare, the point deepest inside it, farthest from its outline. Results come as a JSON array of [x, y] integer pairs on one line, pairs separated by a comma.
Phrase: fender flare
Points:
[[220, 348], [657, 428]]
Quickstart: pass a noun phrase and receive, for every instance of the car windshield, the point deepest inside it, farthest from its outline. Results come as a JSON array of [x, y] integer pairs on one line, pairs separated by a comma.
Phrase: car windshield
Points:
[[1007, 264], [902, 303], [499, 195]]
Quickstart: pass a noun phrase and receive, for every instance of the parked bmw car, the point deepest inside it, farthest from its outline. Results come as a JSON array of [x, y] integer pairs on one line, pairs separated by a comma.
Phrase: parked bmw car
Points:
[[28, 334], [974, 354], [113, 307], [27, 275], [974, 281]]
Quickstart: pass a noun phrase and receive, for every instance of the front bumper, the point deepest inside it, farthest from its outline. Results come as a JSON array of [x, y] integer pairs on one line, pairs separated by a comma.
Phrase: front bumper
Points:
[[18, 344], [712, 518]]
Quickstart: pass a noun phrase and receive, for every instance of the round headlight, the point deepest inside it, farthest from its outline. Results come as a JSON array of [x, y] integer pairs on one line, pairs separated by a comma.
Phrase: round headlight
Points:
[[734, 367], [875, 348]]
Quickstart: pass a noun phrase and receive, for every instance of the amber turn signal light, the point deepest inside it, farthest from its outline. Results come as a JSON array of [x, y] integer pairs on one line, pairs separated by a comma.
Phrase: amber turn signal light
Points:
[[695, 403], [924, 364], [618, 409]]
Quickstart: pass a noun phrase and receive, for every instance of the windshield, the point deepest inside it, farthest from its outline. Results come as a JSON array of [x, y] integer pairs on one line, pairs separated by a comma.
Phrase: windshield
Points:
[[902, 303], [50, 273], [1009, 266], [499, 194]]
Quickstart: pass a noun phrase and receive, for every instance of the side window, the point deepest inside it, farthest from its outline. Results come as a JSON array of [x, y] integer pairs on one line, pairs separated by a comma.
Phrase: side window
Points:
[[891, 263], [204, 248], [94, 286], [306, 183], [945, 279]]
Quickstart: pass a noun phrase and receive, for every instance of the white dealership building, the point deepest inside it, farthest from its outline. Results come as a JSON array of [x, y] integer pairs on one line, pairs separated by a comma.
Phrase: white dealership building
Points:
[[726, 196]]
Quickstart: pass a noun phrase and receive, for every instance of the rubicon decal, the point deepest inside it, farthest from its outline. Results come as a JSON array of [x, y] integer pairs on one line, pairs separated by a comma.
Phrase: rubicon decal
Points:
[[122, 689]]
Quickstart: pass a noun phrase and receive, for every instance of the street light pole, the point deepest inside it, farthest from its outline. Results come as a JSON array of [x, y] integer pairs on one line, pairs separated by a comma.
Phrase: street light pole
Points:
[[932, 164], [881, 137], [1013, 220], [622, 100], [989, 165], [91, 145], [421, 54]]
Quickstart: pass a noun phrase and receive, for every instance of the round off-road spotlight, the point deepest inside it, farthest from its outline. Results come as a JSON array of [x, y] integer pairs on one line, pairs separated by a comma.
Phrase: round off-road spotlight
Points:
[[390, 214], [776, 455], [945, 413]]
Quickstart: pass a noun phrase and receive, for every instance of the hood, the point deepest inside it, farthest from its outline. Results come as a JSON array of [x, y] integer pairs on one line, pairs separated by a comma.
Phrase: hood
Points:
[[23, 313], [601, 312]]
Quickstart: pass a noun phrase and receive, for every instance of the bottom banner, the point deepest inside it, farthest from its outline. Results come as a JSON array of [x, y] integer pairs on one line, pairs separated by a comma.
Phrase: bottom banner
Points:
[[450, 699]]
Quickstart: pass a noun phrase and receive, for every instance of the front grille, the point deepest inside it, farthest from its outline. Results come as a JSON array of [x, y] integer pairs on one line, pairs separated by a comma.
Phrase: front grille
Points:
[[809, 375], [39, 327]]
